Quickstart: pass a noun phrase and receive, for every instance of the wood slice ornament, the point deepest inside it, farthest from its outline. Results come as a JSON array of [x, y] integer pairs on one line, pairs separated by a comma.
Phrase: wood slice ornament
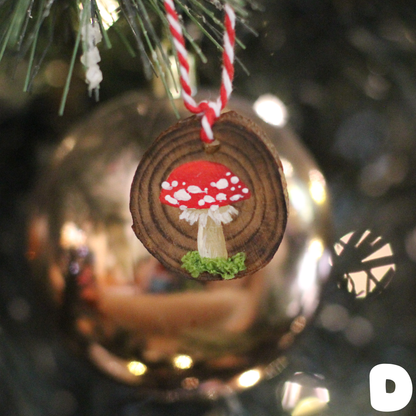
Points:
[[209, 198], [211, 211]]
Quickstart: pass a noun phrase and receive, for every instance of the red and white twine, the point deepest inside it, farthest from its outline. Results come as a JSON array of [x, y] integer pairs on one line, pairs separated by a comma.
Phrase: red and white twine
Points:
[[209, 110]]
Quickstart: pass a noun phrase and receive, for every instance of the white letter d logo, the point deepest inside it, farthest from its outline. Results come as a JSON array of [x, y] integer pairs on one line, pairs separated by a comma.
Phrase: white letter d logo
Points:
[[380, 399]]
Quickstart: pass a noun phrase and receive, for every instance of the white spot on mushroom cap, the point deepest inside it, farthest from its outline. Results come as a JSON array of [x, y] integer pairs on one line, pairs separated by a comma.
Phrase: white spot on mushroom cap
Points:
[[214, 207], [182, 195], [166, 185], [235, 179], [221, 197], [220, 184], [236, 197], [194, 189], [209, 199], [183, 183], [171, 200], [175, 183], [233, 188], [201, 202], [183, 207], [228, 174], [245, 191]]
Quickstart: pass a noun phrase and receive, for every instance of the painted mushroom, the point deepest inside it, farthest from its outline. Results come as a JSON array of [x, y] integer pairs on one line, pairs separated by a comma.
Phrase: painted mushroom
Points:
[[205, 192]]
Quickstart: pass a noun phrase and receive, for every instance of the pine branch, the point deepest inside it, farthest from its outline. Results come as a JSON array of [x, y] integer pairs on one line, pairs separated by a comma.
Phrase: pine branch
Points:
[[28, 29]]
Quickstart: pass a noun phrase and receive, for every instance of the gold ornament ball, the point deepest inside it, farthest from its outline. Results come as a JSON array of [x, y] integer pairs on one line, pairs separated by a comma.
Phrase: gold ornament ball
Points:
[[138, 322]]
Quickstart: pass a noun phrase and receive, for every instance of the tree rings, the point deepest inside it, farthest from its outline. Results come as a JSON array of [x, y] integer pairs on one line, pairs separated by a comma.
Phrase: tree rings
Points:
[[245, 193]]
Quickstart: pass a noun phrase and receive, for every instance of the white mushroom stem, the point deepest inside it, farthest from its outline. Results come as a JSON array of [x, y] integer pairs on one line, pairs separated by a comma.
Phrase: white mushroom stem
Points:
[[211, 240]]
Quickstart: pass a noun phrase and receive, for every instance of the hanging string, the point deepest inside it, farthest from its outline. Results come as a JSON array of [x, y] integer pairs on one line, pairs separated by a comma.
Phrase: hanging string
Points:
[[209, 110]]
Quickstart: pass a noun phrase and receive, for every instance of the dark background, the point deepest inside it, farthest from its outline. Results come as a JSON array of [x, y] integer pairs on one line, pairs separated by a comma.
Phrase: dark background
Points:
[[347, 72]]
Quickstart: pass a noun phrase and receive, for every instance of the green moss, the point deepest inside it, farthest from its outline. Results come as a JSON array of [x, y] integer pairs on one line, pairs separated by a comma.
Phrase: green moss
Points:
[[227, 268]]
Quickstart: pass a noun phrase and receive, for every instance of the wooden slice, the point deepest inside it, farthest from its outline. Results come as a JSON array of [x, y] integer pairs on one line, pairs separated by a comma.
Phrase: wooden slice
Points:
[[258, 228]]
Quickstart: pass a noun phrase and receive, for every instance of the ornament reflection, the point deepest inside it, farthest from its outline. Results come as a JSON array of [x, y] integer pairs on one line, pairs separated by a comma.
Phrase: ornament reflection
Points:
[[304, 395]]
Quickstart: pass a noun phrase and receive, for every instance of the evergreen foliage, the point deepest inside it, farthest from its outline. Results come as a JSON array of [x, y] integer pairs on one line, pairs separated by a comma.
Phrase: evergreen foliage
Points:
[[29, 29]]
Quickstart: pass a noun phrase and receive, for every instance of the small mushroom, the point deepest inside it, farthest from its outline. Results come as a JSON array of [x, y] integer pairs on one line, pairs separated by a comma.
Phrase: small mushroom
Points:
[[204, 192]]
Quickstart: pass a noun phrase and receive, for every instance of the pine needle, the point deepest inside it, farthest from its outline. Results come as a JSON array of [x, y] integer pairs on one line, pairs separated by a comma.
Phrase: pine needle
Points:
[[42, 57], [72, 63], [128, 11], [25, 25], [186, 34], [31, 59], [208, 12], [97, 14], [155, 39], [157, 63], [8, 35], [19, 19], [33, 49], [199, 25]]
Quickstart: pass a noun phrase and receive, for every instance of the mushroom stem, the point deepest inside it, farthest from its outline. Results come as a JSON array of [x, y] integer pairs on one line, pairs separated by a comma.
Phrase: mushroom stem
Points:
[[211, 240]]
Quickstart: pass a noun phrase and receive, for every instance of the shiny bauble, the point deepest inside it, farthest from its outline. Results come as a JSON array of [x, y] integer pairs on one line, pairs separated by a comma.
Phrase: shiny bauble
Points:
[[135, 320]]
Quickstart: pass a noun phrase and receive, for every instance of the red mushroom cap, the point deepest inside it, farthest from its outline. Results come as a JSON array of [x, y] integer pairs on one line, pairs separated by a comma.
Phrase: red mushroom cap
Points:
[[202, 185]]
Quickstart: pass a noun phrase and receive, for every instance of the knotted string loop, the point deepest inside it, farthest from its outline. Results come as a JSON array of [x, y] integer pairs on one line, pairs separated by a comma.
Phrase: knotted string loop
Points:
[[208, 110]]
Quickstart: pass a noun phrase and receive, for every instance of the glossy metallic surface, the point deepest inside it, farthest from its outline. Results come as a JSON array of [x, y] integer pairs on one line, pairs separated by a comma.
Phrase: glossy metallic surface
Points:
[[135, 320], [304, 395]]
